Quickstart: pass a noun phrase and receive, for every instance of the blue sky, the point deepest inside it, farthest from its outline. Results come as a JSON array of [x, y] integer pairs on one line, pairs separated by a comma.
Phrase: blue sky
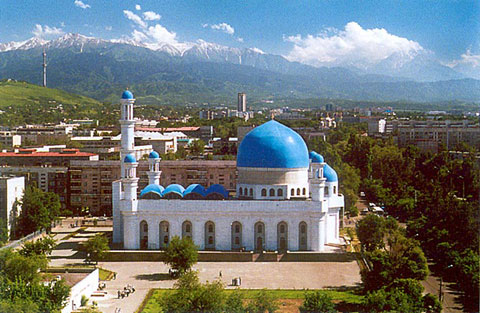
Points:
[[306, 31]]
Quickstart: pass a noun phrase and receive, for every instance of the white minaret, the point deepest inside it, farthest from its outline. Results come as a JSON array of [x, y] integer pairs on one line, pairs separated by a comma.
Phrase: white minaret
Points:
[[130, 179], [154, 168], [316, 178], [128, 127]]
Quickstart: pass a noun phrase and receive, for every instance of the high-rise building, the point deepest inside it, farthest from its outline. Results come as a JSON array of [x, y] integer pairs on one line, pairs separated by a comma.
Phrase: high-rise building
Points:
[[11, 193], [242, 102]]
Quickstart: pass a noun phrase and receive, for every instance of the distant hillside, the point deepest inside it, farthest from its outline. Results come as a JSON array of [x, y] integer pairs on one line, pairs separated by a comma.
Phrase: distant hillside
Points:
[[25, 103], [23, 93], [214, 74]]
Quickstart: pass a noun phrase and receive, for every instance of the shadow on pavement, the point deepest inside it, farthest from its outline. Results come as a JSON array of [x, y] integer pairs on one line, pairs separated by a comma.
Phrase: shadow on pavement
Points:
[[154, 277]]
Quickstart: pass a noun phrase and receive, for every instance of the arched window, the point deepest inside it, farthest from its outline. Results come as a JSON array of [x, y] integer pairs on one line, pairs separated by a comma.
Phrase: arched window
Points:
[[264, 192], [245, 191], [259, 228], [251, 192], [302, 236], [259, 235], [187, 229], [236, 235], [164, 234], [298, 191], [292, 192], [334, 189], [282, 236], [237, 228], [280, 192], [240, 191], [282, 228], [326, 191], [272, 192], [209, 235], [304, 191]]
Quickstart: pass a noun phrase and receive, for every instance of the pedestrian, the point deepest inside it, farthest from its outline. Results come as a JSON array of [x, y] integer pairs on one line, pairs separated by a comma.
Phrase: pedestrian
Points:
[[114, 275], [220, 274], [118, 294], [133, 289]]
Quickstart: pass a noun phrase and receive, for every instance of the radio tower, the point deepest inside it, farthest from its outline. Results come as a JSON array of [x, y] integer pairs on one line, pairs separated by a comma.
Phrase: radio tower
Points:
[[44, 68]]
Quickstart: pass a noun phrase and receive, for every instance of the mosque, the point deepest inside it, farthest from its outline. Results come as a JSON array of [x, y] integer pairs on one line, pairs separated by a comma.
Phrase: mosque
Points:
[[286, 198]]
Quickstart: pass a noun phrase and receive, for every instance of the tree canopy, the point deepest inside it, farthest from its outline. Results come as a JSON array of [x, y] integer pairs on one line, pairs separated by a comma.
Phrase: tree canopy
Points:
[[181, 254]]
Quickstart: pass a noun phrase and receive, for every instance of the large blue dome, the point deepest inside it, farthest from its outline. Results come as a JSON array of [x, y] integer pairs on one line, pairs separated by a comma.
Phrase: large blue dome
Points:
[[273, 145]]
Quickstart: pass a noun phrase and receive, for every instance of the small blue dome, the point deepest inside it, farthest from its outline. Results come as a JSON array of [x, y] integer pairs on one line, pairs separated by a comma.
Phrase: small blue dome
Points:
[[330, 174], [195, 188], [315, 157], [158, 189], [216, 188], [273, 145], [154, 155], [175, 188], [127, 95], [129, 159]]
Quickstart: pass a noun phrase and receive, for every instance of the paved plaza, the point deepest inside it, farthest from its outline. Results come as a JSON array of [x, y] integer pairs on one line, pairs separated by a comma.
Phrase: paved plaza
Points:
[[256, 275]]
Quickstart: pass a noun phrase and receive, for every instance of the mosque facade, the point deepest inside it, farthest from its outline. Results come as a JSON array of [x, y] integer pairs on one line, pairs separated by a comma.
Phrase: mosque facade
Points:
[[286, 198]]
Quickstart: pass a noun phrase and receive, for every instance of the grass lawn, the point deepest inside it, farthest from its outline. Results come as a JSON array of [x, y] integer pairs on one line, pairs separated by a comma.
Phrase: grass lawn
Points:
[[104, 274], [350, 298]]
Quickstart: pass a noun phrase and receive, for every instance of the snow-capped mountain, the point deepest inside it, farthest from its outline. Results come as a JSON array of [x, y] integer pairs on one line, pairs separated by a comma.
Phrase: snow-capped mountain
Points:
[[421, 66]]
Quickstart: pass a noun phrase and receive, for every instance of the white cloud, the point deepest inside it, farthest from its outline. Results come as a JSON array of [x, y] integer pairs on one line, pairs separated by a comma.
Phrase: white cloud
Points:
[[468, 64], [223, 27], [135, 18], [46, 31], [82, 5], [353, 46], [109, 28], [240, 39], [254, 49], [151, 16], [160, 34], [468, 59], [138, 7]]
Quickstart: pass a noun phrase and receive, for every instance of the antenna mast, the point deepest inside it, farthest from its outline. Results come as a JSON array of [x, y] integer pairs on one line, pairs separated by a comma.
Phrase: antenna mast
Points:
[[44, 68]]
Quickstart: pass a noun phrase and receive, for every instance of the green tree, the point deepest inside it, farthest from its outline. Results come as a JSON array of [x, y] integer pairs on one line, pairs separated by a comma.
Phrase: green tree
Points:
[[370, 232], [263, 302], [96, 248], [317, 302], [403, 295], [3, 232], [14, 266], [39, 210], [181, 254], [42, 246], [192, 296], [234, 303], [197, 147]]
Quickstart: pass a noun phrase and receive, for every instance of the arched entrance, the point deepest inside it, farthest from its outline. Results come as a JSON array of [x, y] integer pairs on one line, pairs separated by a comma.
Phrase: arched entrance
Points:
[[143, 235], [187, 230], [164, 234], [209, 235], [259, 230], [282, 236], [236, 236], [302, 236]]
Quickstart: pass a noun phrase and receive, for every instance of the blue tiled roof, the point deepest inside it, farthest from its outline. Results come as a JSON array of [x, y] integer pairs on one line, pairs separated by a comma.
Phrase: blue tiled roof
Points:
[[195, 188], [127, 95], [175, 188], [158, 189], [329, 173], [273, 145], [129, 159], [153, 155], [216, 188], [315, 157]]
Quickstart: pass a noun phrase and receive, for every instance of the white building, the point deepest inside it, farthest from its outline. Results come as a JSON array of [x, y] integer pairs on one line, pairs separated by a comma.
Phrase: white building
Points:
[[11, 193], [286, 198]]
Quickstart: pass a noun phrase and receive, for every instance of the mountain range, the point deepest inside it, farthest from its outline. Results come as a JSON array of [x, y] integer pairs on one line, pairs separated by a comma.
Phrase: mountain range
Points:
[[207, 72]]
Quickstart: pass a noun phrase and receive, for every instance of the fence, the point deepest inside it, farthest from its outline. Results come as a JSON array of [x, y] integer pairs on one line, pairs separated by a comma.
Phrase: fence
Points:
[[17, 243]]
